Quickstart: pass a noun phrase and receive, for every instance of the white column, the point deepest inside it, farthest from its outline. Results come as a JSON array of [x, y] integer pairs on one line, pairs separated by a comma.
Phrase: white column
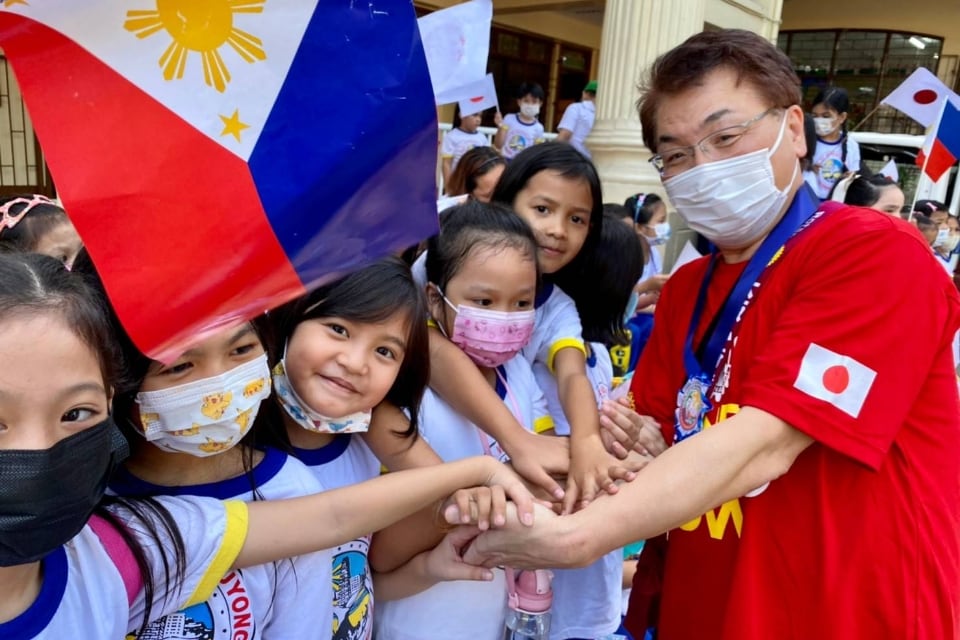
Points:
[[635, 32]]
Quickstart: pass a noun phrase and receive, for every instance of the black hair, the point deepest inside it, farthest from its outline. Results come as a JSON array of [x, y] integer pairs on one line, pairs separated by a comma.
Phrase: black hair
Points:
[[642, 207], [810, 136], [930, 207], [865, 191], [374, 293], [470, 226], [38, 222], [33, 284], [458, 119], [924, 222], [837, 99], [135, 365], [531, 89], [616, 266], [569, 163], [624, 215]]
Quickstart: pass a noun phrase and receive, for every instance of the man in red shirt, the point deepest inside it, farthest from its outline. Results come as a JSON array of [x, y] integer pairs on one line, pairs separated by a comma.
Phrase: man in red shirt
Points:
[[803, 375]]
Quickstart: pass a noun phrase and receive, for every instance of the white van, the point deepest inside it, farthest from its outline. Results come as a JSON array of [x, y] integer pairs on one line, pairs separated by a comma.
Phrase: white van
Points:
[[876, 149]]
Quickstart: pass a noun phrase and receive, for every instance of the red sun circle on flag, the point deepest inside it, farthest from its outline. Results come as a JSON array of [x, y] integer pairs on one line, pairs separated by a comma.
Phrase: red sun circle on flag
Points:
[[925, 96], [836, 379]]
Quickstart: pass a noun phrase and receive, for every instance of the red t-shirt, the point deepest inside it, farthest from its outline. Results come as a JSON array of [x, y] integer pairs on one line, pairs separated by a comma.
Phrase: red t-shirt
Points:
[[848, 340]]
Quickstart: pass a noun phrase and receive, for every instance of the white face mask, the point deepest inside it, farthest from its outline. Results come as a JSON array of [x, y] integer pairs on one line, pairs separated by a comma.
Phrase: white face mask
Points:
[[824, 126], [662, 229], [309, 419], [209, 416], [951, 244], [943, 237], [530, 110], [731, 202]]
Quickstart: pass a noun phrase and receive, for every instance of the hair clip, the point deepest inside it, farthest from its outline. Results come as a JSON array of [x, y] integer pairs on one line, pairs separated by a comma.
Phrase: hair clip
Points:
[[9, 220], [639, 200]]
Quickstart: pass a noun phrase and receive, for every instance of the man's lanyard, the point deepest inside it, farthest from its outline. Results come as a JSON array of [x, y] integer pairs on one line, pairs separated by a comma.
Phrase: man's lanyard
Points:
[[703, 362]]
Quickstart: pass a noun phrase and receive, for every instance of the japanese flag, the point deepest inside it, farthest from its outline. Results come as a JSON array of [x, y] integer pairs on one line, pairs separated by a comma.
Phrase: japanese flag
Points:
[[477, 96], [920, 96], [834, 378]]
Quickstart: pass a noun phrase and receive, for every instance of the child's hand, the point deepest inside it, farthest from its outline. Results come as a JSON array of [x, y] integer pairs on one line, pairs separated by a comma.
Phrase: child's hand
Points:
[[445, 561], [498, 118], [479, 506], [592, 470], [538, 458], [629, 431], [502, 476]]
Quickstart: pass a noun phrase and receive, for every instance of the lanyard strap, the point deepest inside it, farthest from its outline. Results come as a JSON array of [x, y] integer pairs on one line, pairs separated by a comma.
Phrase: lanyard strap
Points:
[[703, 363], [484, 438]]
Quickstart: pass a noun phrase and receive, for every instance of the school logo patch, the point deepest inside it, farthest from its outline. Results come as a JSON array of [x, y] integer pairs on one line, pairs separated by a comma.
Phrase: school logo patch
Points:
[[227, 615], [352, 592], [835, 378]]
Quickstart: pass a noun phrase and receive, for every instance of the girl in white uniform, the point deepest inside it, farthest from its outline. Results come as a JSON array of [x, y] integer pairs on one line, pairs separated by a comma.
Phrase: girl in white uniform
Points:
[[191, 428], [587, 602], [75, 564], [556, 191], [354, 353], [482, 274]]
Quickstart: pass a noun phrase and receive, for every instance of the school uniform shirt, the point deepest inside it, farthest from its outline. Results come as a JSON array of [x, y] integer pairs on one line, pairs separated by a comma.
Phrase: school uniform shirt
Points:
[[345, 461], [462, 608], [844, 341], [828, 156], [586, 602], [578, 120], [84, 595], [286, 599], [457, 142], [520, 135]]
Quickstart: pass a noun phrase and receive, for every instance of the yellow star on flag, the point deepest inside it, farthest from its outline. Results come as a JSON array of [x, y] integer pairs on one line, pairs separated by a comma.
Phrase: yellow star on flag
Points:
[[232, 125], [10, 3]]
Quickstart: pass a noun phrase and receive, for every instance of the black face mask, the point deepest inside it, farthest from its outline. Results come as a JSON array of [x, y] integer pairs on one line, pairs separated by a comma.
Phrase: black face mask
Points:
[[47, 496]]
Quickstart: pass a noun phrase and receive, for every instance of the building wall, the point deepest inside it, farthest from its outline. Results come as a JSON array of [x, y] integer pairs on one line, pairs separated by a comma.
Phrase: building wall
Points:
[[939, 18]]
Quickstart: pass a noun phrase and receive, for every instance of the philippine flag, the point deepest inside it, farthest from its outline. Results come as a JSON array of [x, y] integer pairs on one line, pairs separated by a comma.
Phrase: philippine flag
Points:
[[219, 158]]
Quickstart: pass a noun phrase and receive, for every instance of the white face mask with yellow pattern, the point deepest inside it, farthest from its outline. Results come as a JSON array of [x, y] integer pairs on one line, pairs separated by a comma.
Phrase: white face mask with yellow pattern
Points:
[[209, 416]]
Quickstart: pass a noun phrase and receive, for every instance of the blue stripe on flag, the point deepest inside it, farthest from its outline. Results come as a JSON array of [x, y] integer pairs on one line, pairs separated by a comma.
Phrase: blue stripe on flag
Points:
[[350, 146], [949, 131]]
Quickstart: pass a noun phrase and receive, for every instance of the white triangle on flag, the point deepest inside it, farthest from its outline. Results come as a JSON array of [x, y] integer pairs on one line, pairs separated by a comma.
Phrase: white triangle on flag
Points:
[[834, 378], [890, 171], [255, 41]]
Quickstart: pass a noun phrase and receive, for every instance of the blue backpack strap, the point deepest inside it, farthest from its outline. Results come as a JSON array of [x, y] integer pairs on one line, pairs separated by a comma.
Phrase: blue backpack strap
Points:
[[121, 555]]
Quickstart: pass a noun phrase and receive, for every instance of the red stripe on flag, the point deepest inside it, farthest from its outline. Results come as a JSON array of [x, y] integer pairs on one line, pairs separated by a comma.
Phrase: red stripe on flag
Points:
[[172, 220], [940, 160]]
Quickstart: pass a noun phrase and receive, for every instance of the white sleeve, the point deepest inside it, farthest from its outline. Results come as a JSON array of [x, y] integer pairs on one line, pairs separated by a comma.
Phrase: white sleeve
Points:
[[569, 119], [853, 154], [558, 328], [419, 270], [448, 147], [212, 532]]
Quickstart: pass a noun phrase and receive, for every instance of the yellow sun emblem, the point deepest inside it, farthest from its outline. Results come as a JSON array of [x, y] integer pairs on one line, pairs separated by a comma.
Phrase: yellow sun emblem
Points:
[[203, 26]]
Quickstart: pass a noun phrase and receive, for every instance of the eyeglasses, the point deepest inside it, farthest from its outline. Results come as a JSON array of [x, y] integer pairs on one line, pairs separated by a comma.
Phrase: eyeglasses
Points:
[[670, 162], [9, 220]]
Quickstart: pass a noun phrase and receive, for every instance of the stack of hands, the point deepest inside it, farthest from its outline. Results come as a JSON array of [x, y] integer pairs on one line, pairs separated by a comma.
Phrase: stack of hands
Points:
[[507, 523]]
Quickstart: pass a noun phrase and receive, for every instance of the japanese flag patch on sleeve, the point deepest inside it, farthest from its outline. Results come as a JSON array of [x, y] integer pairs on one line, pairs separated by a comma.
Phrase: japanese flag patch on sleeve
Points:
[[835, 378]]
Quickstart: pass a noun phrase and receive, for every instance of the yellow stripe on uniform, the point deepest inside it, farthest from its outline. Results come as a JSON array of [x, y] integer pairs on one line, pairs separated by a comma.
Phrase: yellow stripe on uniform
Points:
[[543, 423], [563, 343], [234, 535]]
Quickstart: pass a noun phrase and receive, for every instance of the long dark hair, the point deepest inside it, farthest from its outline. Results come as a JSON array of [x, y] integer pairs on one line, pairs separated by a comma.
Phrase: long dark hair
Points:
[[32, 284], [566, 161], [470, 226], [617, 264], [374, 293]]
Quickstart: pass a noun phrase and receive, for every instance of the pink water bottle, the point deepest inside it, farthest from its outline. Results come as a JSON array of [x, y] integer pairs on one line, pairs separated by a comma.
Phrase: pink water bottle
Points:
[[529, 598]]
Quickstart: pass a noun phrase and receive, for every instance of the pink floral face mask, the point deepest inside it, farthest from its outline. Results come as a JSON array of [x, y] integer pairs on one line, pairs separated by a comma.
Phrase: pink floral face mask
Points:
[[490, 338]]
